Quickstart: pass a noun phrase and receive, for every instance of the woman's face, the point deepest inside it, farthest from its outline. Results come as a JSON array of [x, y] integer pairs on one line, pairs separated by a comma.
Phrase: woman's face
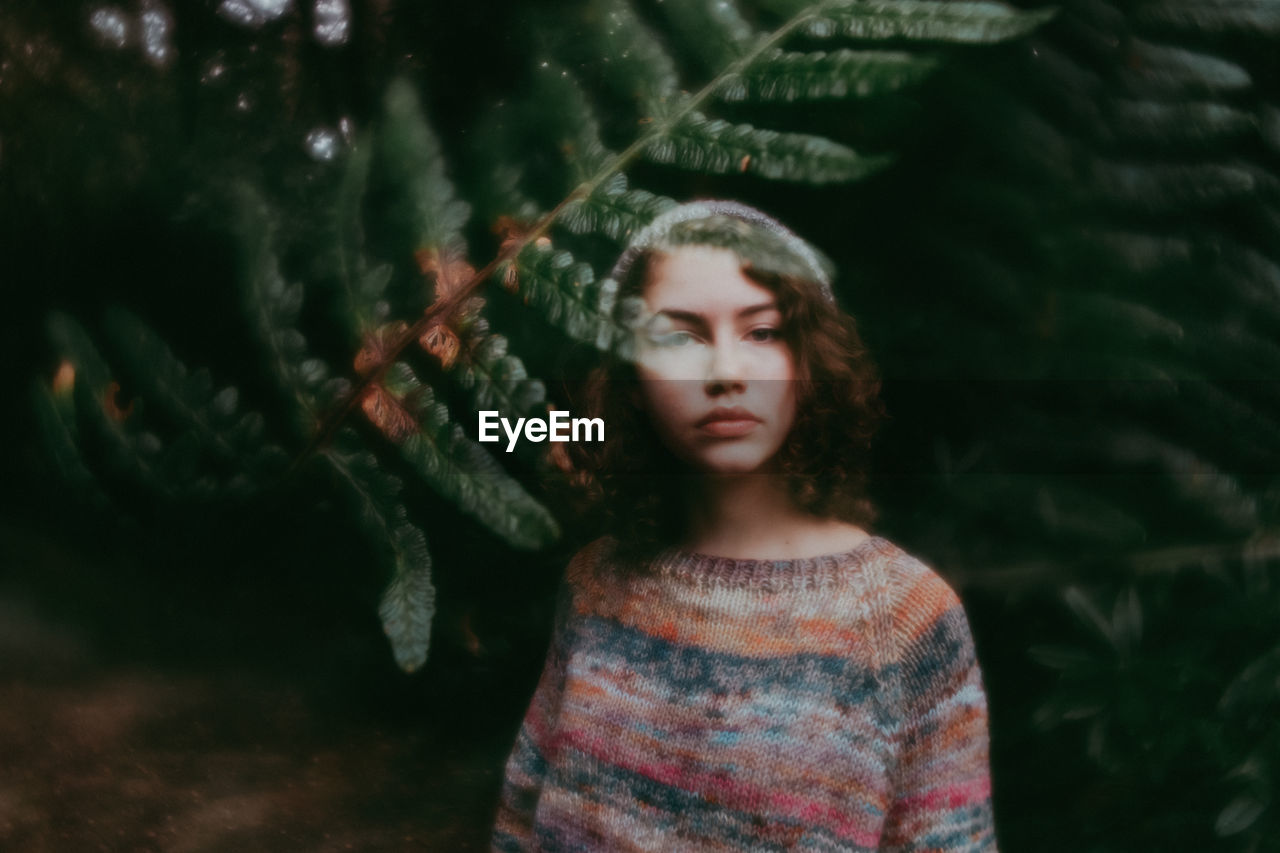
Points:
[[716, 375]]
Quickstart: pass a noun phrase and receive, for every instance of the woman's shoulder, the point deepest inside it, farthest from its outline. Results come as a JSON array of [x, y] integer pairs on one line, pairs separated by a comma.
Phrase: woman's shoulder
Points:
[[923, 607], [585, 562], [912, 580], [577, 582]]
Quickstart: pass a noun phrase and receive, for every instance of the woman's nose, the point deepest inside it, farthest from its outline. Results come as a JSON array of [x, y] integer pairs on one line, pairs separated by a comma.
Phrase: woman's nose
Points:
[[726, 364]]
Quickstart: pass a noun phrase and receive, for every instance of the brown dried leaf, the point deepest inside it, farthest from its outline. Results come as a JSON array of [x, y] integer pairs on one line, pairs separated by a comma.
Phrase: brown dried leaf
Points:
[[511, 278], [426, 259], [442, 342], [378, 346], [110, 406], [385, 412], [65, 379], [451, 273], [469, 637], [510, 230]]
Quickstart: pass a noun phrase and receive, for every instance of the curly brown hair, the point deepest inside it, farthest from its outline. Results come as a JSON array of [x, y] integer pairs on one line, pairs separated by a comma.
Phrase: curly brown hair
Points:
[[631, 486]]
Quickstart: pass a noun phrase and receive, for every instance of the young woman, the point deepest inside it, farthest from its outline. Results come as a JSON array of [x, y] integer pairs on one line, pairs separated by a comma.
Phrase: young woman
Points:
[[738, 664]]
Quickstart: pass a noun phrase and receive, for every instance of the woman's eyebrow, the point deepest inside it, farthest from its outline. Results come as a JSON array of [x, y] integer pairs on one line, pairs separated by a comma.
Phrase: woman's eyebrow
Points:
[[695, 317]]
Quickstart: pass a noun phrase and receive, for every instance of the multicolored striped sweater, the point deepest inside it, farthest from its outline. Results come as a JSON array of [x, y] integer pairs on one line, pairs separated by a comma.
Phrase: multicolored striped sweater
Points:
[[830, 703]]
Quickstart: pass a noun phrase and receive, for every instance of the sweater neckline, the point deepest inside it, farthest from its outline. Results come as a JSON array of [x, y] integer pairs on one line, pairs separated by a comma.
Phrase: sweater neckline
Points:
[[700, 569]]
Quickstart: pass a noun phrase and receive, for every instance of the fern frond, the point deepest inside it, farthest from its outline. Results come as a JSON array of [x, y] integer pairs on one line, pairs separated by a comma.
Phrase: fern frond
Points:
[[189, 399], [1255, 436], [1065, 512], [1230, 352], [1269, 127], [614, 210], [1233, 271], [498, 380], [461, 470], [408, 603], [1158, 188], [133, 455], [635, 64], [714, 145], [1199, 124], [1256, 17], [1123, 376], [414, 162], [558, 95], [961, 22], [73, 343], [1161, 71], [1043, 148], [564, 289], [273, 306], [56, 420], [1191, 478], [362, 307], [1130, 252], [1077, 515], [1101, 317], [780, 75], [495, 154]]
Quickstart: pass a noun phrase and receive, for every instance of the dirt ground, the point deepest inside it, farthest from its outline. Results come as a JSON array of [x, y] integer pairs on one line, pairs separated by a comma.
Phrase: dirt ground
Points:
[[125, 755]]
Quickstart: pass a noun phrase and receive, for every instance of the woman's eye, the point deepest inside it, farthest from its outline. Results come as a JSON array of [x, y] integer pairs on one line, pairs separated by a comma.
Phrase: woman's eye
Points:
[[673, 339], [765, 334]]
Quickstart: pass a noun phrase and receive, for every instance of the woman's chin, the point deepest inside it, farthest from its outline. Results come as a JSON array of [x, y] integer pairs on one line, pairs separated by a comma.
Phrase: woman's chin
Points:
[[730, 462]]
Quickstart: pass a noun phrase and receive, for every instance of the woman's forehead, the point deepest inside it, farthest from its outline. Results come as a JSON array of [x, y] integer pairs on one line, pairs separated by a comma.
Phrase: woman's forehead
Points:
[[702, 279]]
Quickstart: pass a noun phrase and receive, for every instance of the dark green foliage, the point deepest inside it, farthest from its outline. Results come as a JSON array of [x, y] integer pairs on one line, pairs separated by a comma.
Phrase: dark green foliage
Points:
[[1111, 402], [1078, 262], [403, 319]]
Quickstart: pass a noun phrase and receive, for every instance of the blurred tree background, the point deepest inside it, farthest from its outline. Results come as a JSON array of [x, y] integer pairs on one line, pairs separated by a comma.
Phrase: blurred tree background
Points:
[[264, 260]]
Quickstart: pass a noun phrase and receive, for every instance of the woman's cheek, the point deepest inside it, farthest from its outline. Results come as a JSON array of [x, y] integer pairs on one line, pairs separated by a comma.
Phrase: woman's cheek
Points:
[[776, 363], [686, 363]]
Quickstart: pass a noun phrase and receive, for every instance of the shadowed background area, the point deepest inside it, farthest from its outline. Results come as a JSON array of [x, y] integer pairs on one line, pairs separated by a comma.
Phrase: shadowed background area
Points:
[[1063, 251]]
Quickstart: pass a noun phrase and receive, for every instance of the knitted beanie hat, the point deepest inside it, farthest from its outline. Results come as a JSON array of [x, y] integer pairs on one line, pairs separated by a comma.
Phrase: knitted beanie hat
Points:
[[756, 238]]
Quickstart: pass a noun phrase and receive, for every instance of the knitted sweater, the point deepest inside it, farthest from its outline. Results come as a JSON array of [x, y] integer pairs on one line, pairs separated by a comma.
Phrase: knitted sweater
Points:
[[830, 703]]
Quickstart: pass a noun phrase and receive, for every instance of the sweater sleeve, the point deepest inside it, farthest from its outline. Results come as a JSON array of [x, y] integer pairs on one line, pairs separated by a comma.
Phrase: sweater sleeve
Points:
[[942, 787], [525, 769]]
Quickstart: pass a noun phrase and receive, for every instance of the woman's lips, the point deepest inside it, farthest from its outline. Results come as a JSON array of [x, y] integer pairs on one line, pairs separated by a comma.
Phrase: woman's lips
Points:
[[729, 428]]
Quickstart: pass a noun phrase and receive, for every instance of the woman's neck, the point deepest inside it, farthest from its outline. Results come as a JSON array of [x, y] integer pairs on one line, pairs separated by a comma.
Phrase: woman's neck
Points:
[[754, 516]]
